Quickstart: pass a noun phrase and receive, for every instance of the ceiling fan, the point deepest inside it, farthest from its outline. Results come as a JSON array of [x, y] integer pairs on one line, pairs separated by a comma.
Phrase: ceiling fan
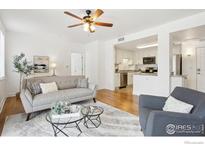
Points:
[[89, 21]]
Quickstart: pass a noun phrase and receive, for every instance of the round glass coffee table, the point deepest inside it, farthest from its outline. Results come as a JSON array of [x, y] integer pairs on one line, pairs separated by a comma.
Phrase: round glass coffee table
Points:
[[62, 123], [92, 116]]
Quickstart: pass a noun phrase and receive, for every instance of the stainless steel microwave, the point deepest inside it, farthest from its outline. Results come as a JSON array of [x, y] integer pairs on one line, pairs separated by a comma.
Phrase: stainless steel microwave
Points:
[[149, 60]]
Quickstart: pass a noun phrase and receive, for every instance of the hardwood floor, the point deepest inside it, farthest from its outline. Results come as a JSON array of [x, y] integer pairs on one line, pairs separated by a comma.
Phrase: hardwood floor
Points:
[[11, 106], [121, 99]]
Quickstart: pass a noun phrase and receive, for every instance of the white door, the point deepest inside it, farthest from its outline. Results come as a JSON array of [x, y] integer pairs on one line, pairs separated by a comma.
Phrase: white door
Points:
[[200, 61], [76, 64]]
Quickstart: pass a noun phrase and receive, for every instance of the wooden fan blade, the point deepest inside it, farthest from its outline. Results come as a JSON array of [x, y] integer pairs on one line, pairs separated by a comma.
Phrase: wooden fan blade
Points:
[[72, 15], [75, 25], [97, 13], [103, 24]]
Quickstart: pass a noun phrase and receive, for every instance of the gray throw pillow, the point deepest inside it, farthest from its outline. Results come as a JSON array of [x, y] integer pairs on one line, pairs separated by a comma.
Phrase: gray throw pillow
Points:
[[82, 83], [34, 87]]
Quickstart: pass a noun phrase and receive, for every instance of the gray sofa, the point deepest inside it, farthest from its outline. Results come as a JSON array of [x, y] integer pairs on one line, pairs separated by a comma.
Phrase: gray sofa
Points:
[[67, 90], [155, 122]]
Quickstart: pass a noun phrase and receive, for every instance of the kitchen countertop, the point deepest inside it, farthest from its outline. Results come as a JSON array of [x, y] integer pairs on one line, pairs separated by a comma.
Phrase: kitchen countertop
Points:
[[146, 74], [137, 72], [127, 71]]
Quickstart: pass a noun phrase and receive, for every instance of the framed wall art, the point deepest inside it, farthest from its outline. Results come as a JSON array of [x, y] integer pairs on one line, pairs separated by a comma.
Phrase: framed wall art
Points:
[[41, 64]]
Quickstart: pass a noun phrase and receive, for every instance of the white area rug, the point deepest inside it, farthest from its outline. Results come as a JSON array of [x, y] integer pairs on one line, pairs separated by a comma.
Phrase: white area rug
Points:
[[114, 123]]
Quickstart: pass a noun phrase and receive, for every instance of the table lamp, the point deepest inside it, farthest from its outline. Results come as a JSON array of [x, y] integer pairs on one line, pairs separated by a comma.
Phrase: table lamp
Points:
[[53, 66]]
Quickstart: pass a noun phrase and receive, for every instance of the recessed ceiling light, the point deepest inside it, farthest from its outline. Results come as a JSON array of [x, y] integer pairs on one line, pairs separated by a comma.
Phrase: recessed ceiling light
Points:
[[147, 46]]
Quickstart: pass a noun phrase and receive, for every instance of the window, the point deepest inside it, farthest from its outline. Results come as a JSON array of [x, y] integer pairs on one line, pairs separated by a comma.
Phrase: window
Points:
[[2, 55]]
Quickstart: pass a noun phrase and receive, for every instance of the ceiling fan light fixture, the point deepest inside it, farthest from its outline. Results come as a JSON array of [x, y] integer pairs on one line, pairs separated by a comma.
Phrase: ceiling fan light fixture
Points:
[[88, 21], [86, 27], [92, 27]]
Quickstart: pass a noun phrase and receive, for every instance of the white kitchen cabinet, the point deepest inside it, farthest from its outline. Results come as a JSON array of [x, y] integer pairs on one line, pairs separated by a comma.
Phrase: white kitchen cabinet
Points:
[[124, 54], [146, 84], [117, 79], [177, 81], [130, 78]]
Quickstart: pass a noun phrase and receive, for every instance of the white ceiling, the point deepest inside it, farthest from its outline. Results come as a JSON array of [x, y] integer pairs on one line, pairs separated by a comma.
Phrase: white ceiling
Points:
[[55, 22], [196, 33]]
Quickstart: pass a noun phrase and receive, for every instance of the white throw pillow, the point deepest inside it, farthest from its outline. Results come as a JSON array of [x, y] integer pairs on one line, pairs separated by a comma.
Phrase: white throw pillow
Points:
[[174, 105], [48, 87]]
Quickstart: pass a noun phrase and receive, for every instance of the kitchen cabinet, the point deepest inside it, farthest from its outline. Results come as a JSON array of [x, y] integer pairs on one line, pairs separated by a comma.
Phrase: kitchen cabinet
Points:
[[130, 78], [146, 84], [117, 79], [177, 81]]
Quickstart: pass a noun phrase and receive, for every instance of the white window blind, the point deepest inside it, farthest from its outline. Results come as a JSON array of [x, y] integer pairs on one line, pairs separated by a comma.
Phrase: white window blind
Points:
[[2, 55]]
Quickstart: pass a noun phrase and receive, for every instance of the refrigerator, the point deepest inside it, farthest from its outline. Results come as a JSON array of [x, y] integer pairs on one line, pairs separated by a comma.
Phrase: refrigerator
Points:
[[177, 64]]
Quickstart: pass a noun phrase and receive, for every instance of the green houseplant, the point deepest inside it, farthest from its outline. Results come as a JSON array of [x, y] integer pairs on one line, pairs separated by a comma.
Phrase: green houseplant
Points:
[[22, 66]]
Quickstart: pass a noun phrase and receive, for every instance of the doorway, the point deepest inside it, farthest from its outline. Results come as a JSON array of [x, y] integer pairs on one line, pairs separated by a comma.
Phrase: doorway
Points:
[[133, 59], [200, 71], [190, 45], [77, 64]]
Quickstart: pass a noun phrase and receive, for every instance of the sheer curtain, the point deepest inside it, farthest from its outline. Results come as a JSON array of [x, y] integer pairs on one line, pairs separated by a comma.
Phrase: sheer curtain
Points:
[[2, 55]]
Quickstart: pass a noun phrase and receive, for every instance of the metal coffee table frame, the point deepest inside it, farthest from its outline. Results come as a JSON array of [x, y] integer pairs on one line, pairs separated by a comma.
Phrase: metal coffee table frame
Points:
[[93, 118], [57, 125]]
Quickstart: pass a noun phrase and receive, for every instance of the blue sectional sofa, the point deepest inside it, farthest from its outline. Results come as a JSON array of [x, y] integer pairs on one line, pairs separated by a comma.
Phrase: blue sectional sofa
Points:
[[156, 122]]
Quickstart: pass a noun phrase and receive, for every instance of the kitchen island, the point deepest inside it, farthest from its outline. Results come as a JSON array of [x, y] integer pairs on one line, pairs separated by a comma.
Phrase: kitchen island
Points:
[[145, 83], [130, 76]]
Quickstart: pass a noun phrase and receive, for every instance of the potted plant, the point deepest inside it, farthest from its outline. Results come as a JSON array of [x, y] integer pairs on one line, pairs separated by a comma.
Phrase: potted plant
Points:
[[21, 66]]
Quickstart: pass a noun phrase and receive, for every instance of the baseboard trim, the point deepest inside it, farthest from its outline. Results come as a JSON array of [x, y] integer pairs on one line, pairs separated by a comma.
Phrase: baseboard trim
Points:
[[11, 94], [2, 103]]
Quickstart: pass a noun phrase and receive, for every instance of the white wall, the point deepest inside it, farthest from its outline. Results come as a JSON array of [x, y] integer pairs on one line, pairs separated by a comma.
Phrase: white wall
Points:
[[91, 61], [176, 49], [96, 62], [57, 48], [101, 66], [163, 31], [109, 58], [99, 63], [3, 93]]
